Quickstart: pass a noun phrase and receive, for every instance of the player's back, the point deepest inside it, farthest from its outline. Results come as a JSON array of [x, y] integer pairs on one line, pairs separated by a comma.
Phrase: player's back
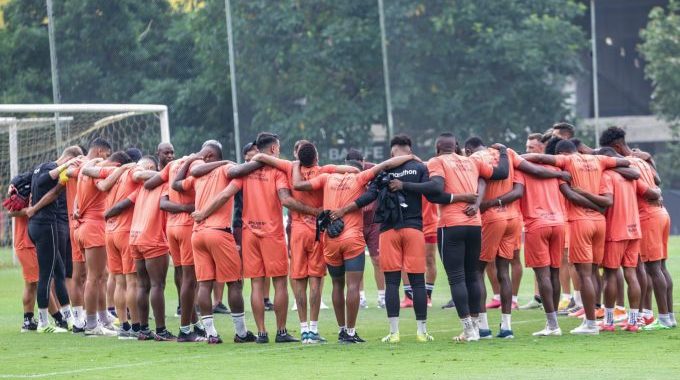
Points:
[[206, 188], [461, 175], [148, 221], [342, 189], [262, 210], [586, 173], [647, 175], [310, 198], [542, 203], [623, 218], [91, 203], [185, 197], [124, 186]]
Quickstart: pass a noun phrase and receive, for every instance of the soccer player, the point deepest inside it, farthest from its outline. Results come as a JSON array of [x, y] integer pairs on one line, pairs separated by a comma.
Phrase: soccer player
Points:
[[402, 242], [501, 228], [622, 240], [265, 254], [586, 226], [306, 254], [655, 227], [42, 229], [95, 179]]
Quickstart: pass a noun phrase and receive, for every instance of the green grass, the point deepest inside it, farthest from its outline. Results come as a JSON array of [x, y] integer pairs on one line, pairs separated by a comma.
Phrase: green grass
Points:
[[622, 356]]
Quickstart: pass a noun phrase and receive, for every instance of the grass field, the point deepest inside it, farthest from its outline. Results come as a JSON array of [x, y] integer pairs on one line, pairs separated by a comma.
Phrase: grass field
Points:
[[652, 355]]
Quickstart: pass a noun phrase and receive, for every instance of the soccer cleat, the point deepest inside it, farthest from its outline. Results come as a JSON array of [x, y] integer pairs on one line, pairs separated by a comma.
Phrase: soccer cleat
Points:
[[599, 313], [583, 329], [100, 331], [578, 312], [485, 334], [607, 328], [504, 334], [63, 324], [249, 338], [493, 304], [644, 321], [391, 338], [285, 338], [630, 328], [191, 337], [214, 339], [352, 339], [656, 326], [323, 306], [262, 338], [200, 332], [50, 329], [146, 335], [363, 304], [341, 335], [620, 315], [535, 303], [429, 301], [220, 308], [449, 305], [125, 334], [304, 337], [381, 303], [315, 338], [563, 306], [165, 336], [466, 337], [425, 337], [406, 303], [547, 331], [514, 306], [78, 330], [29, 325], [268, 305]]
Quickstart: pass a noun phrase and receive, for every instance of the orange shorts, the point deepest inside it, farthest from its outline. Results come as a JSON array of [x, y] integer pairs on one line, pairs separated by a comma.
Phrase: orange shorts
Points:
[[215, 256], [566, 235], [29, 263], [143, 252], [179, 242], [430, 232], [91, 234], [654, 242], [499, 238], [518, 241], [306, 254], [264, 257], [76, 253], [402, 250], [336, 251], [586, 241], [118, 254], [544, 246], [622, 253]]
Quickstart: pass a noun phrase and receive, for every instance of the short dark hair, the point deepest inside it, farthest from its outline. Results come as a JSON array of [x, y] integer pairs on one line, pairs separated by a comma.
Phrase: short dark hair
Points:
[[355, 164], [610, 135], [535, 136], [565, 127], [152, 159], [307, 154], [565, 146], [607, 151], [401, 140], [546, 137], [354, 155], [99, 142], [246, 148], [265, 139], [83, 148], [299, 143], [473, 142], [120, 157], [446, 146], [134, 153], [551, 145]]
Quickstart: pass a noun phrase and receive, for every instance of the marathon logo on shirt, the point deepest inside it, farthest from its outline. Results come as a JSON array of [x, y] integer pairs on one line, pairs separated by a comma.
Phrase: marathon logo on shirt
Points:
[[403, 173]]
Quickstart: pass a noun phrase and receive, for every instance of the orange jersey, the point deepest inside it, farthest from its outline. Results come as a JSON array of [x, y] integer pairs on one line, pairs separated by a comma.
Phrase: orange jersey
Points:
[[496, 188], [430, 216], [310, 198], [623, 218], [206, 189], [168, 175], [461, 175], [21, 238], [148, 221], [262, 210], [542, 204], [340, 190], [122, 189], [646, 209], [90, 202], [586, 173], [71, 191]]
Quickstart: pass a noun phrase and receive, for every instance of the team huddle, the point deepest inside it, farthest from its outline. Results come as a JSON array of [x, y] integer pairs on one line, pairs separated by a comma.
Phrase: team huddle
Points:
[[98, 216]]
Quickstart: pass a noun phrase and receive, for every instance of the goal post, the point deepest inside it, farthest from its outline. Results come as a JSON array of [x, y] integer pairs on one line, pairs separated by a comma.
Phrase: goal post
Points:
[[31, 134]]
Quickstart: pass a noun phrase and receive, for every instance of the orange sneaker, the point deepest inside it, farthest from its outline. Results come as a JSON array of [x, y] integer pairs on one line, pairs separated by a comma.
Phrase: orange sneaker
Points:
[[599, 313], [406, 303], [607, 328], [620, 315], [578, 313], [493, 304]]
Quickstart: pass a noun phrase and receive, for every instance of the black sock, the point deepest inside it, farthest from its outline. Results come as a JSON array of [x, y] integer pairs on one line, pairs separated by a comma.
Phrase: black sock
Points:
[[428, 289], [144, 327], [282, 332], [111, 309], [28, 316], [58, 317], [266, 300], [262, 333], [538, 299], [126, 326], [136, 327], [160, 329], [417, 281]]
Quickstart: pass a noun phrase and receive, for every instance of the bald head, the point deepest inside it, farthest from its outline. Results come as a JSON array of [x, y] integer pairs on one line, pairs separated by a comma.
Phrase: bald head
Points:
[[211, 152], [445, 144], [166, 153]]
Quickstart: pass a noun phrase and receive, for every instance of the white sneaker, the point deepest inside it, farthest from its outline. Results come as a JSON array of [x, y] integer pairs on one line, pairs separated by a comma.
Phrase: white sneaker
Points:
[[381, 303], [294, 308], [323, 306], [585, 330], [548, 332], [100, 331], [362, 303]]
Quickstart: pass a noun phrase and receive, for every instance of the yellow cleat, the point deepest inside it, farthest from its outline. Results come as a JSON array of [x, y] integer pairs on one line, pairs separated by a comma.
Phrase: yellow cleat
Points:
[[392, 338], [425, 337]]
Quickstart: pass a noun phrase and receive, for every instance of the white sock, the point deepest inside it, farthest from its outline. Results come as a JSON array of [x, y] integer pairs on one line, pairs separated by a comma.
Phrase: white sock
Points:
[[665, 320], [199, 324], [43, 317], [496, 297], [66, 312], [314, 326], [362, 295], [185, 329], [514, 299], [633, 316], [591, 324], [209, 324], [467, 323], [394, 325], [647, 313], [239, 320], [78, 316], [505, 321], [566, 296], [482, 321], [422, 327], [609, 316], [381, 295], [304, 327], [351, 331], [552, 320], [340, 328], [577, 298], [671, 316]]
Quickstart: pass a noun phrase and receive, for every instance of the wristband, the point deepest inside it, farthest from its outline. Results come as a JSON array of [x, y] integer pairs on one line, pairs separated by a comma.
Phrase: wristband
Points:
[[451, 199], [500, 202]]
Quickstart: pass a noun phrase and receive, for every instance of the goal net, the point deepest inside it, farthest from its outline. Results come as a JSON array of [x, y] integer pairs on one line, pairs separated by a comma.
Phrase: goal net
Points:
[[33, 134]]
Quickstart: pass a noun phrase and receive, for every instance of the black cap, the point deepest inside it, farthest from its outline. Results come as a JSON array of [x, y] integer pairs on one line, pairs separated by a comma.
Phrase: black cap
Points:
[[247, 148]]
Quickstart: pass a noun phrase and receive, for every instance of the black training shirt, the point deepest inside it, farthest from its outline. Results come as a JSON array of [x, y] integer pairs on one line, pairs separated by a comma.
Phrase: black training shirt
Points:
[[41, 184]]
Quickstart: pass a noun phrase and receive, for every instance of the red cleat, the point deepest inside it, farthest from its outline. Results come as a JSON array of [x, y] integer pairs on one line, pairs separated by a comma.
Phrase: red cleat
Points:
[[644, 321], [578, 313], [630, 328], [607, 328], [494, 304], [406, 303]]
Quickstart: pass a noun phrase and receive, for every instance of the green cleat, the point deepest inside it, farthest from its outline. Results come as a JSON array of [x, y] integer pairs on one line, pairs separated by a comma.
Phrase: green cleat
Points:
[[391, 338], [656, 326], [425, 337]]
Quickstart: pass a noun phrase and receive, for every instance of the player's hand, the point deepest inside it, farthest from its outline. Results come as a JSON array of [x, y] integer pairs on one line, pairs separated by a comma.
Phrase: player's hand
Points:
[[257, 157], [337, 214], [467, 198], [198, 216], [498, 146], [11, 189], [414, 157], [566, 176], [194, 157], [485, 205], [471, 209], [396, 185], [76, 214], [30, 211], [129, 165]]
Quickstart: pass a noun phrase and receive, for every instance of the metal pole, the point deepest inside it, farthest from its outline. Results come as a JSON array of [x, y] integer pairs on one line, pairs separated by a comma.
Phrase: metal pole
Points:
[[13, 171], [232, 75], [386, 72], [596, 95], [56, 95]]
